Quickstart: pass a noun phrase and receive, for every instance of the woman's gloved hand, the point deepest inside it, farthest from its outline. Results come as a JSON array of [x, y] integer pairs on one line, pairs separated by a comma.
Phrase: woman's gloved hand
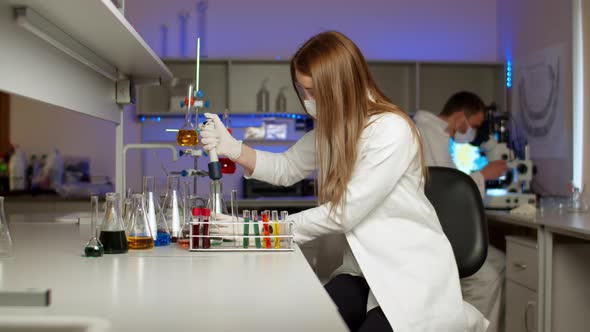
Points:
[[217, 137]]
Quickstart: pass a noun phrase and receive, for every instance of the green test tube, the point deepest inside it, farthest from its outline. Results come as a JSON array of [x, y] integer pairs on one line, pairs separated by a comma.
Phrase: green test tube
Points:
[[246, 241], [256, 229]]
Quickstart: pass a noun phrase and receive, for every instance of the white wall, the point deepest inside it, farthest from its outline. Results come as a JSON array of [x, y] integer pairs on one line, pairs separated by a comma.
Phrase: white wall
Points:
[[526, 27], [383, 29]]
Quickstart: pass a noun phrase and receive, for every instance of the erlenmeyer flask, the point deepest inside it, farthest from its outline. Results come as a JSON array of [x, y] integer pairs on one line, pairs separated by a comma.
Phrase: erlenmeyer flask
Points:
[[216, 202], [93, 248], [154, 213], [173, 207], [139, 233], [112, 233], [127, 206], [5, 239], [187, 135]]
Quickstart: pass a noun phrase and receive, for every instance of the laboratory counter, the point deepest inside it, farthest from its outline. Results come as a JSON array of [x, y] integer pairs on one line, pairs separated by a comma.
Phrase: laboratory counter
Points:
[[552, 269], [166, 288]]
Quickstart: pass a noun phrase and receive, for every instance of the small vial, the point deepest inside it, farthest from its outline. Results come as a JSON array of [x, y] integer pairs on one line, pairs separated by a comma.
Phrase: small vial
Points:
[[266, 229], [275, 228], [196, 212], [206, 212], [256, 229], [246, 241]]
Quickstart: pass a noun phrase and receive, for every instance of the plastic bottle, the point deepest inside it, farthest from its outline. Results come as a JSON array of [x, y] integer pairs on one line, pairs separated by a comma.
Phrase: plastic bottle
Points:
[[263, 98], [17, 168]]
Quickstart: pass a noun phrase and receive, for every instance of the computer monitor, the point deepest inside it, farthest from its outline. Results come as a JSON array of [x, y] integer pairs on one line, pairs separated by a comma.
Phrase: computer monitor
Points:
[[468, 158]]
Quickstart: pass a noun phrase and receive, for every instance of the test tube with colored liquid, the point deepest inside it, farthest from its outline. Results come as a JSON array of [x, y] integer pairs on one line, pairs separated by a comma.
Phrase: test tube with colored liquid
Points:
[[275, 228], [256, 228], [196, 212], [206, 240], [285, 227], [246, 241], [266, 229]]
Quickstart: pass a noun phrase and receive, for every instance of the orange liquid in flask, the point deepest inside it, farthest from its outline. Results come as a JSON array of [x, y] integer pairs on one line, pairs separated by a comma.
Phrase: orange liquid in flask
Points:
[[187, 137]]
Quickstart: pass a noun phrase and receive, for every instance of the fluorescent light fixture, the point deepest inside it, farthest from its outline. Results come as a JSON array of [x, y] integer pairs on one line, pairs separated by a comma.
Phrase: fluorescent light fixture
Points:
[[578, 95], [172, 130], [49, 32]]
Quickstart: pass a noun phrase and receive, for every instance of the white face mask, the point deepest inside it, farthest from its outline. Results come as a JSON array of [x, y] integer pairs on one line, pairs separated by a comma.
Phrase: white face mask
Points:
[[468, 137], [310, 107]]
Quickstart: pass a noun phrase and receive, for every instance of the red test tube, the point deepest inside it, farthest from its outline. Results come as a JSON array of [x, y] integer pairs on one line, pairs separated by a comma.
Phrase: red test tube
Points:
[[266, 229], [206, 212], [195, 228]]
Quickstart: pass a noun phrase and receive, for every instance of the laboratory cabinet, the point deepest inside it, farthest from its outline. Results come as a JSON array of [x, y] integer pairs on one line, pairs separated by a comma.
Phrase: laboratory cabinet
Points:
[[570, 292], [247, 86]]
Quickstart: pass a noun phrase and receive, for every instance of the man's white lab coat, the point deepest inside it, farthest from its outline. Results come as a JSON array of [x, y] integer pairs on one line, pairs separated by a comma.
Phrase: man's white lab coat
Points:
[[390, 226]]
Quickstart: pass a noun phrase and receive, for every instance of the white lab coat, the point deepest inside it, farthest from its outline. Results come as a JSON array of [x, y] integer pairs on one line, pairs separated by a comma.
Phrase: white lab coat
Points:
[[483, 289], [390, 226], [436, 144]]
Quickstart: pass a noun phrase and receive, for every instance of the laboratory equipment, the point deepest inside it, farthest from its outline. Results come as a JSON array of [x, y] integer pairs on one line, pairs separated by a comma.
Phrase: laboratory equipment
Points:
[[127, 206], [112, 233], [206, 241], [498, 142], [216, 202], [256, 229], [154, 213], [173, 209], [202, 7], [263, 98], [184, 234], [183, 17], [5, 238], [284, 223], [93, 248], [17, 169], [234, 214], [195, 228], [576, 201], [266, 228], [246, 240], [276, 228], [281, 102], [282, 233], [228, 166], [187, 135], [139, 232]]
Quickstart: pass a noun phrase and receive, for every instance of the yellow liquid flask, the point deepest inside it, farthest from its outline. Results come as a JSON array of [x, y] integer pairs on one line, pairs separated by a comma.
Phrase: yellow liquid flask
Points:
[[187, 135], [139, 233]]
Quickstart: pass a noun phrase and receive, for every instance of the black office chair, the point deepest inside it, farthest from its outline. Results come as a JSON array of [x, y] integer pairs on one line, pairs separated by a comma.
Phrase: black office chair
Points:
[[459, 207]]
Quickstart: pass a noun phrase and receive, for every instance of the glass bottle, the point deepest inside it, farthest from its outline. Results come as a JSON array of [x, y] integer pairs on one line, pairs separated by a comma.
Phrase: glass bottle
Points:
[[154, 213], [173, 209], [216, 202], [112, 232], [94, 247], [139, 233], [187, 135], [5, 239]]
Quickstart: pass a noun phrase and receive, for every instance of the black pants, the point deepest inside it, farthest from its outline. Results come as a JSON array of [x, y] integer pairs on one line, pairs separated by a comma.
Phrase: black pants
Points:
[[350, 295]]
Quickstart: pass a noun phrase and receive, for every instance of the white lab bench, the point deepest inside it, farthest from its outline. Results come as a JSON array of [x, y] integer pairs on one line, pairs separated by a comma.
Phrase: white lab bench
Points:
[[554, 268], [166, 288]]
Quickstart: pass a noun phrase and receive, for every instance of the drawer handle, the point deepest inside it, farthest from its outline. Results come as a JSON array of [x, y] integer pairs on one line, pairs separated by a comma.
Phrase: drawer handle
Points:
[[520, 266], [529, 305]]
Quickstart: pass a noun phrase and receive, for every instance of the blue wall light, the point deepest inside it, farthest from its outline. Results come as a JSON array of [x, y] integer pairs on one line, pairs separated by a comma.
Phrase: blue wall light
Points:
[[509, 74]]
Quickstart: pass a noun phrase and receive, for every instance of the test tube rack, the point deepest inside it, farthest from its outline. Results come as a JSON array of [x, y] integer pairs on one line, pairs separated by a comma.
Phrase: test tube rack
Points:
[[235, 242]]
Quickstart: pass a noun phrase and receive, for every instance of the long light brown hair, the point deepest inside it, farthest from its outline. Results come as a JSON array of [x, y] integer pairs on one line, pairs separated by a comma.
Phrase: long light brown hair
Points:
[[346, 96]]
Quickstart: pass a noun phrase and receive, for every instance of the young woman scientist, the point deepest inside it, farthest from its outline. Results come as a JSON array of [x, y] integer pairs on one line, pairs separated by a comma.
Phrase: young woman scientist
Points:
[[399, 270]]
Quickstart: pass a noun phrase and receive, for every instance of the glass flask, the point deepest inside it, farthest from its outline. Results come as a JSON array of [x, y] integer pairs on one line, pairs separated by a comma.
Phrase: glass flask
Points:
[[187, 135], [126, 211], [216, 202], [154, 213], [173, 209], [5, 239], [112, 233], [139, 233], [227, 165], [94, 247]]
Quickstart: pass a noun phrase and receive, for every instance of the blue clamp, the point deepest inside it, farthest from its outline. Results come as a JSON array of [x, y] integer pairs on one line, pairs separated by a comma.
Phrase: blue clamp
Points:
[[181, 153], [184, 173], [182, 104], [200, 94], [207, 104]]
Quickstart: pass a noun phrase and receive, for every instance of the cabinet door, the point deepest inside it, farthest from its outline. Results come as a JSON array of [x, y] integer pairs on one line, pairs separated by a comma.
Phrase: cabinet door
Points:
[[521, 308]]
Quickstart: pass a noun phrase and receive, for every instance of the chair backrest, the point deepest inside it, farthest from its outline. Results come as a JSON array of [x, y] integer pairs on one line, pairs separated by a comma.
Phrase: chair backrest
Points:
[[459, 207]]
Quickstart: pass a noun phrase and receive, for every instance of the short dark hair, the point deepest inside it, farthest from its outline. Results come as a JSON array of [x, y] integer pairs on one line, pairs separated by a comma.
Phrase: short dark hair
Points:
[[463, 101]]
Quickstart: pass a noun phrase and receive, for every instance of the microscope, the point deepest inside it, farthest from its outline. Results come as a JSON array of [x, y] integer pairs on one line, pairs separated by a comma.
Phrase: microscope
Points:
[[496, 142]]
